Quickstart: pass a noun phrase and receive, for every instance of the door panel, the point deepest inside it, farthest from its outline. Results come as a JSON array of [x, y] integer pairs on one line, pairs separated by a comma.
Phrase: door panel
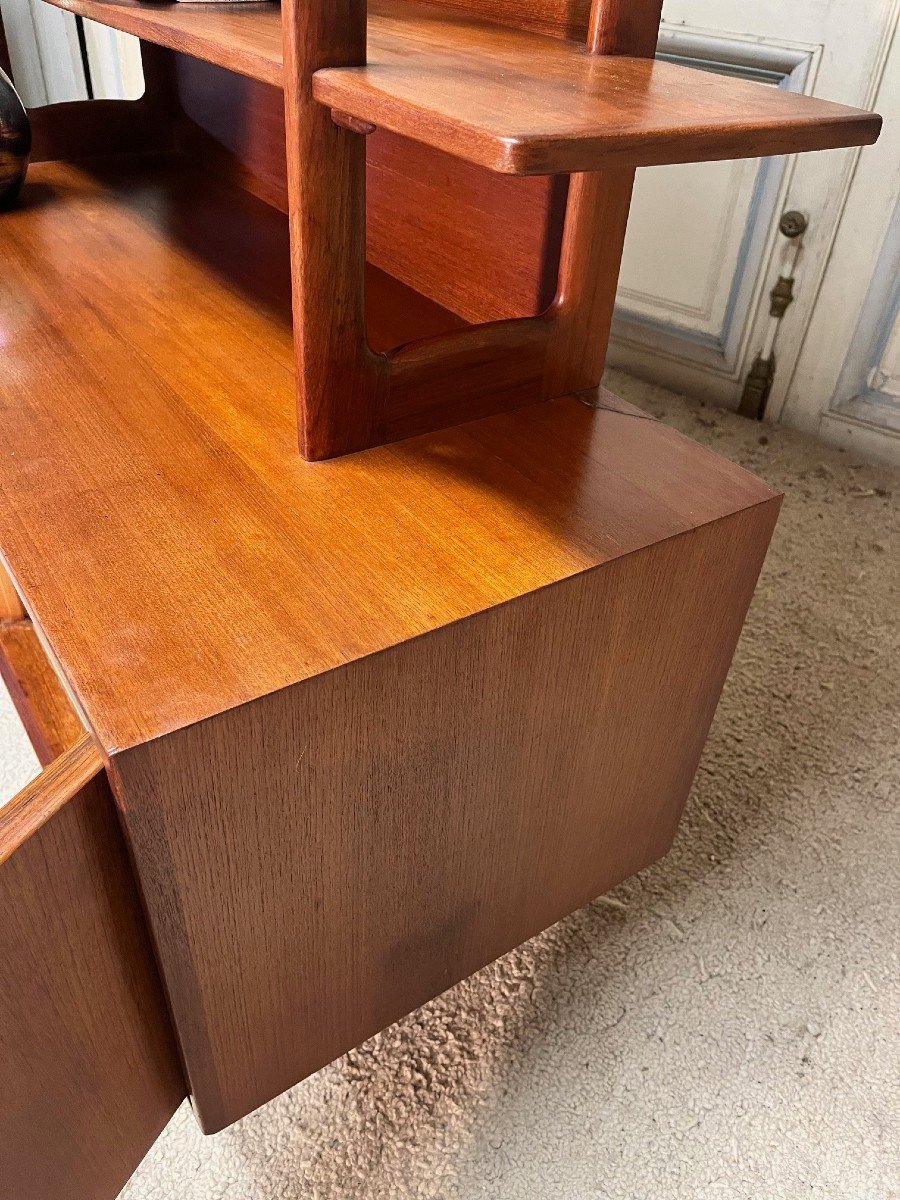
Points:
[[703, 248], [90, 1075]]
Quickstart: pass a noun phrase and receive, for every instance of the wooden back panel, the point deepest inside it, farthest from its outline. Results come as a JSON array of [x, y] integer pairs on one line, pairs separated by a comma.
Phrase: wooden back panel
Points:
[[555, 18], [482, 245]]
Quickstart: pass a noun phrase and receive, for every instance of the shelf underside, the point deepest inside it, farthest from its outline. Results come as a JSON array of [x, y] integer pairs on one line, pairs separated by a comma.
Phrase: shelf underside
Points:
[[155, 513], [512, 101]]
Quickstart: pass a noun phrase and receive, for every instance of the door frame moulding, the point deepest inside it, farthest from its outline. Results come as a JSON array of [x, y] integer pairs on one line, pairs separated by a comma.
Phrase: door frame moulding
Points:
[[791, 67], [858, 392], [862, 425]]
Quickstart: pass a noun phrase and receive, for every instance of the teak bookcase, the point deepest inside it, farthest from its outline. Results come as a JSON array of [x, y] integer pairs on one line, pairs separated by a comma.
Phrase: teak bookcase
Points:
[[322, 738]]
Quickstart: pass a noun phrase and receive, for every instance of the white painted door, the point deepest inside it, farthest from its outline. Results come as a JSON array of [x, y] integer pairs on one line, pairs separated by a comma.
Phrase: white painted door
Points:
[[846, 387], [703, 248], [57, 57], [44, 51]]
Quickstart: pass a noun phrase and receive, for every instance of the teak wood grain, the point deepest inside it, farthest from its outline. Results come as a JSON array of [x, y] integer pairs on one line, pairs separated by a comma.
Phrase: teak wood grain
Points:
[[519, 103], [147, 416], [90, 1074], [245, 38], [369, 722], [350, 397], [52, 724], [511, 99], [483, 245], [506, 99], [404, 820], [220, 581]]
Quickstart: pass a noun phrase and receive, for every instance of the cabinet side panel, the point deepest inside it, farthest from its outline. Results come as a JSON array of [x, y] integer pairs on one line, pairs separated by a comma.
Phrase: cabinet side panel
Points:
[[324, 860]]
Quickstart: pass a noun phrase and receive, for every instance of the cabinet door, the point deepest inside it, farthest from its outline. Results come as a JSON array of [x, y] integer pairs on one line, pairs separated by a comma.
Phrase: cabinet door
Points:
[[89, 1071]]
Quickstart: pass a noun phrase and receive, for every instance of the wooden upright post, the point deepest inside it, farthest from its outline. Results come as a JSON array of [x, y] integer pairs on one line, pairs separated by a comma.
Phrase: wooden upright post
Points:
[[350, 397], [326, 166]]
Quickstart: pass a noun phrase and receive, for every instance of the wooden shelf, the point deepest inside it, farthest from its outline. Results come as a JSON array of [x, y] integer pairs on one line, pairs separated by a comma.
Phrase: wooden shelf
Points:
[[246, 38], [524, 104], [512, 101]]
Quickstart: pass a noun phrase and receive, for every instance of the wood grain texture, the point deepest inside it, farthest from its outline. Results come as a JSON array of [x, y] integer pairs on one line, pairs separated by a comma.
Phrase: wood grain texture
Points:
[[503, 366], [11, 606], [50, 721], [339, 378], [485, 246], [90, 1075], [510, 99], [482, 245], [147, 416], [405, 820], [476, 90], [622, 27], [522, 104], [553, 18]]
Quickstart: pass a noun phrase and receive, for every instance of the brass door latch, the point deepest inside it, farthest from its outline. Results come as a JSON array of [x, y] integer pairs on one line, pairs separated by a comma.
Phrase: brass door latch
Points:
[[759, 380]]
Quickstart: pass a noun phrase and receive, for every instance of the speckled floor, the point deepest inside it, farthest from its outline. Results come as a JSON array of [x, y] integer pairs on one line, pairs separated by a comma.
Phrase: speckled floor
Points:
[[724, 1025]]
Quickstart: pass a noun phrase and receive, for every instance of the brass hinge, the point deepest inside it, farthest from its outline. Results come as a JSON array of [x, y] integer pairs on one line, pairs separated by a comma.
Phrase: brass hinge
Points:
[[758, 383]]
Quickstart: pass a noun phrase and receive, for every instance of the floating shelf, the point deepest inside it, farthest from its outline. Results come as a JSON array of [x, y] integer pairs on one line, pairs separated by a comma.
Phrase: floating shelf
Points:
[[523, 104], [512, 101]]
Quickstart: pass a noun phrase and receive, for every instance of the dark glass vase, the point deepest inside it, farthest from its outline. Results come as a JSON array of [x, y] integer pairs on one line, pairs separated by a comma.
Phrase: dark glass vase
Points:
[[15, 142]]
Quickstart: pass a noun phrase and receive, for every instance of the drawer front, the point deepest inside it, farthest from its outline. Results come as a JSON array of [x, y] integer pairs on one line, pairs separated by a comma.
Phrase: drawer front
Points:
[[90, 1074]]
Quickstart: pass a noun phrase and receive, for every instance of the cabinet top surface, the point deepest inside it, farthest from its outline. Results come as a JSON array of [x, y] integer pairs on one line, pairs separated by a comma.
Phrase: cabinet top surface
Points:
[[177, 554]]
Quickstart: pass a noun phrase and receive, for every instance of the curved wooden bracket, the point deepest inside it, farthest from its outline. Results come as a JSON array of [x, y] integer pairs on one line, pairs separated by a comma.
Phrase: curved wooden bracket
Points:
[[350, 398]]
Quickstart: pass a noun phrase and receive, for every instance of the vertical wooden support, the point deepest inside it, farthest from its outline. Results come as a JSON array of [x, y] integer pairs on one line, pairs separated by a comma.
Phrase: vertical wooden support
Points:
[[596, 221], [624, 27], [349, 397], [326, 169], [11, 606]]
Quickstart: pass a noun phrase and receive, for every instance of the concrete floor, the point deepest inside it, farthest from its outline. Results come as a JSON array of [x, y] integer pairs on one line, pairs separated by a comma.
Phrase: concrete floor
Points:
[[724, 1025]]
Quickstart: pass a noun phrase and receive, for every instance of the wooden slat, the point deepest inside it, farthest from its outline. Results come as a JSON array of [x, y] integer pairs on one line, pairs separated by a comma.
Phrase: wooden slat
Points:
[[521, 104], [90, 1075], [40, 700]]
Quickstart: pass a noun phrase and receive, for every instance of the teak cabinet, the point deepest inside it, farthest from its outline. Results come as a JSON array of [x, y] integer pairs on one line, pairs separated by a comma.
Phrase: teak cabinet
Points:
[[361, 633]]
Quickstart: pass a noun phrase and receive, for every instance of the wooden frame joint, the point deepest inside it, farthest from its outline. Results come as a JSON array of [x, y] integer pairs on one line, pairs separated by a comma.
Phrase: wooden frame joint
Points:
[[354, 124]]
